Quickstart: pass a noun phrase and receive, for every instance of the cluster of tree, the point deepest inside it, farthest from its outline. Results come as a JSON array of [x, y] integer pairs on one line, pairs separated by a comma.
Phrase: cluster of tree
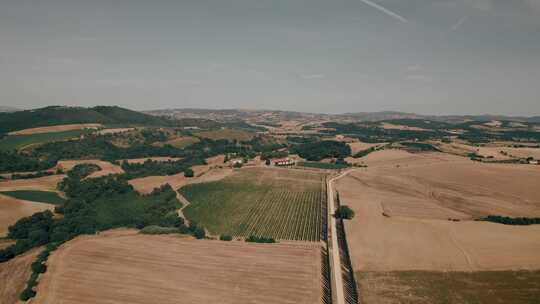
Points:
[[31, 175], [15, 162], [94, 188], [81, 171], [154, 135], [519, 221], [38, 267], [372, 133], [365, 152], [302, 139], [242, 125], [97, 204], [151, 167], [476, 135], [419, 146], [274, 154], [28, 232], [324, 149], [58, 115], [99, 147], [262, 143], [260, 239]]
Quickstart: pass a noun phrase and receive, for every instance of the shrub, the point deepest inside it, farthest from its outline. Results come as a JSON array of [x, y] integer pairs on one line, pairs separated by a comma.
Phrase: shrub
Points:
[[225, 237], [344, 212], [199, 233], [38, 267], [27, 294], [260, 239], [189, 173]]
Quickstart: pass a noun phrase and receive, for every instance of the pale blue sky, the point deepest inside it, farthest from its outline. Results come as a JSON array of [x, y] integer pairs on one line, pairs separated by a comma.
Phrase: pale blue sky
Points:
[[434, 57]]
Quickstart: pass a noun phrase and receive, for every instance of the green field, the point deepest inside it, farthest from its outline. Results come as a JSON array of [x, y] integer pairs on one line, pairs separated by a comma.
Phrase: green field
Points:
[[36, 196], [14, 142], [326, 166], [424, 287], [124, 210], [278, 203]]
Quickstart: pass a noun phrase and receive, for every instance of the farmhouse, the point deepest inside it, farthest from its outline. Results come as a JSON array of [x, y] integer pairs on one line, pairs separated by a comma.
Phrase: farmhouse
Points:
[[236, 162], [284, 162]]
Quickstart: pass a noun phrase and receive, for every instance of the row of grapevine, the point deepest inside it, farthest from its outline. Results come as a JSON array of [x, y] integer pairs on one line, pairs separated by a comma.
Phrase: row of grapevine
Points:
[[283, 214]]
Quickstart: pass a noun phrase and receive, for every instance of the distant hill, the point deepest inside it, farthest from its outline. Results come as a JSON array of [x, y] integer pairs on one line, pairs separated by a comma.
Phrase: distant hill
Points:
[[393, 115], [383, 115], [59, 115], [8, 109]]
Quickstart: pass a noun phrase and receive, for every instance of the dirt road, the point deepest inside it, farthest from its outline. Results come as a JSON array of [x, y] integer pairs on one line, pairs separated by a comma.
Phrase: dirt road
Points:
[[336, 260]]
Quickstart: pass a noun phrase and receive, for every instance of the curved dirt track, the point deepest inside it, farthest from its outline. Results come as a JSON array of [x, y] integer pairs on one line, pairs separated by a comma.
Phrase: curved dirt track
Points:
[[106, 167], [133, 268]]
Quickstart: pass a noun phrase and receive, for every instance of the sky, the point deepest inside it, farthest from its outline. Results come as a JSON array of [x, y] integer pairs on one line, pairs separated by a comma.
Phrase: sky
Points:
[[423, 56]]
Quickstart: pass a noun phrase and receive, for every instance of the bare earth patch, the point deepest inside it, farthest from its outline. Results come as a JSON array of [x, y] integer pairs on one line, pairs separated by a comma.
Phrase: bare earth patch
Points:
[[419, 192], [134, 268], [12, 209], [390, 126], [45, 183], [203, 173], [360, 146], [114, 131], [429, 287], [58, 128], [106, 167], [157, 159], [229, 134], [14, 274]]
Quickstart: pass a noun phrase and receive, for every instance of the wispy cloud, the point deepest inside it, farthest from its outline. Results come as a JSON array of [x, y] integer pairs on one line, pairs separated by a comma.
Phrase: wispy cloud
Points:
[[419, 77], [415, 68], [312, 76], [458, 24], [385, 10]]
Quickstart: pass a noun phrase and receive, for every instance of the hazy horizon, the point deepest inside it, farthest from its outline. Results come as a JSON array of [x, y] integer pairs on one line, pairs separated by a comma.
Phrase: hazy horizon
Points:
[[438, 57]]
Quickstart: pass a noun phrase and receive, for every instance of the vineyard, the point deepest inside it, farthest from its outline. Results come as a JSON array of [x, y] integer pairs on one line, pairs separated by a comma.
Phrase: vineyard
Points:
[[278, 203]]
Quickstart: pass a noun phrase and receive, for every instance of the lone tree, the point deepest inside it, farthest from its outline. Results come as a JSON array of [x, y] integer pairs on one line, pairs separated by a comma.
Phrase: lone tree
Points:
[[189, 173], [344, 212]]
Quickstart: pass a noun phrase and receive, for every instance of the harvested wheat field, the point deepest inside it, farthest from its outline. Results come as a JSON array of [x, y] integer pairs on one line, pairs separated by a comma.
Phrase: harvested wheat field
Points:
[[106, 167], [203, 173], [57, 128], [229, 134], [390, 126], [133, 268], [45, 183], [12, 209], [114, 131], [4, 243], [181, 142], [14, 274], [496, 151], [157, 159], [360, 146], [419, 192]]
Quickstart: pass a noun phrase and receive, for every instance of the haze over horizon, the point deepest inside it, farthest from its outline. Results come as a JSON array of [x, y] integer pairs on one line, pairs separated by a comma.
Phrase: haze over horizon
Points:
[[418, 56]]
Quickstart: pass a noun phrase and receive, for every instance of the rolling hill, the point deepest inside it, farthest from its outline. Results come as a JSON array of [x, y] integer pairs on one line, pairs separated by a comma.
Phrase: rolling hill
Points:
[[58, 115]]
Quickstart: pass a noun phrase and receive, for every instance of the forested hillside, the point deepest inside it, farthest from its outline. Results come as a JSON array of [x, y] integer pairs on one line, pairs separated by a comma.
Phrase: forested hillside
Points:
[[58, 115]]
